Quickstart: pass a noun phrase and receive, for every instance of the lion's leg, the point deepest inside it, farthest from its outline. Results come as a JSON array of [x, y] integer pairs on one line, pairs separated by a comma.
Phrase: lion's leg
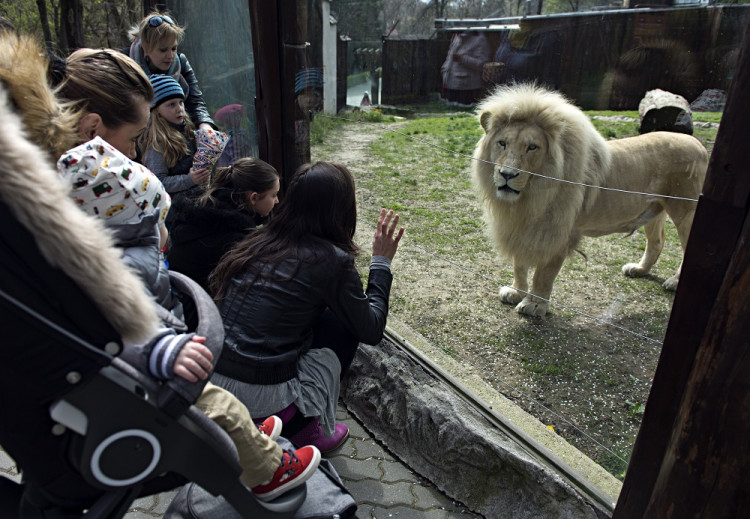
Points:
[[655, 236], [513, 295], [683, 221], [541, 288]]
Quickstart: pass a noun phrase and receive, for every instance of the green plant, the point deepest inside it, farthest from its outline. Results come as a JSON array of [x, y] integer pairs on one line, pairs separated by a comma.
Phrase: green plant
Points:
[[357, 79], [635, 409]]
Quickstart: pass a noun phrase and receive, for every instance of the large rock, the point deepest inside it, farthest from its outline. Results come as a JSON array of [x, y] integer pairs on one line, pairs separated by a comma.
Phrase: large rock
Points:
[[443, 438], [711, 100], [660, 110]]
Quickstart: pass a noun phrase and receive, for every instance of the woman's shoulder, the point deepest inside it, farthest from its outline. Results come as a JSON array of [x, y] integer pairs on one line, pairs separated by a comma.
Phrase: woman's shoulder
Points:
[[327, 256], [185, 63]]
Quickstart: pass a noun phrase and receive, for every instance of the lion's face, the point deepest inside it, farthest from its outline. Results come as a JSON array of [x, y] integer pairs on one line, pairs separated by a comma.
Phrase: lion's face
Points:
[[514, 149]]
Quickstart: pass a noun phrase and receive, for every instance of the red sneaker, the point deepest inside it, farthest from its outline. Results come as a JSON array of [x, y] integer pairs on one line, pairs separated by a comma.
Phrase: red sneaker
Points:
[[296, 468], [271, 427]]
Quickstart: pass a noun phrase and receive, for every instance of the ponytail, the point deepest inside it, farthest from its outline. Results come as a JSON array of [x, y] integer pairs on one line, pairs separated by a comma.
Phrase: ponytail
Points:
[[246, 175]]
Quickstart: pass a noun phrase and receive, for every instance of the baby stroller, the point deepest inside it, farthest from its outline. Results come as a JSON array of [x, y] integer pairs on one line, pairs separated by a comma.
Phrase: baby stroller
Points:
[[88, 431], [111, 434]]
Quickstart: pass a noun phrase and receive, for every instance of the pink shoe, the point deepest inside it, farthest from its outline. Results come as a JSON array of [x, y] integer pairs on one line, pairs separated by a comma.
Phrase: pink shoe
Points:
[[287, 413], [284, 415], [312, 434], [296, 468], [271, 427]]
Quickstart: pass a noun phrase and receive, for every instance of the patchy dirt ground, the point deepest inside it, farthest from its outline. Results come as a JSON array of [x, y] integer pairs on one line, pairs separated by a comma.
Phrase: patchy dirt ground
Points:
[[584, 369]]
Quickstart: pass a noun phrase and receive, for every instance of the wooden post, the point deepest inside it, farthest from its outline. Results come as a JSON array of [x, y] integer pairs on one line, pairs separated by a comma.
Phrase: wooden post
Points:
[[268, 106], [692, 454], [278, 32]]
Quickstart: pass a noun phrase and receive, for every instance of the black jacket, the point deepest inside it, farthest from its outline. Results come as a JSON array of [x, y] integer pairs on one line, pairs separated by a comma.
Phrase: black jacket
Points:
[[199, 236], [194, 104], [269, 324]]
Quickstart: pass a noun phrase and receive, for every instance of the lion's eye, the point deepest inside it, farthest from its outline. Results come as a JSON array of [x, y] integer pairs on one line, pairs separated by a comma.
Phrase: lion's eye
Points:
[[533, 147], [501, 144]]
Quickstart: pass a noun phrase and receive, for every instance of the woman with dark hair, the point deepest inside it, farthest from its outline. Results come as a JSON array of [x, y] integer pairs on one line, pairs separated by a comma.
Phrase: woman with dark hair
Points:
[[237, 200], [292, 301]]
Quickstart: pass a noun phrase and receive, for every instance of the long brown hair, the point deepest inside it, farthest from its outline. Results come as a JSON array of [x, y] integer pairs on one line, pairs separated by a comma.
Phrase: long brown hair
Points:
[[319, 210], [246, 175]]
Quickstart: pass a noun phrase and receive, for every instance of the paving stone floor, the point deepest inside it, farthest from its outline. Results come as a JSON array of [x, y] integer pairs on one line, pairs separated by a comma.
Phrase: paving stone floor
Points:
[[382, 486]]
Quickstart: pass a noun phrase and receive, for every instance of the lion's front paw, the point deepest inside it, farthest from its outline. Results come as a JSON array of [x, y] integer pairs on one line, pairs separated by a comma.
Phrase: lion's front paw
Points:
[[634, 270], [531, 307], [510, 295], [671, 283]]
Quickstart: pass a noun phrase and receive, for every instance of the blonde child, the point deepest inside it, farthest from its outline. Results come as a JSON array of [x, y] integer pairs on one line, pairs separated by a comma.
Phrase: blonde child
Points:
[[168, 143]]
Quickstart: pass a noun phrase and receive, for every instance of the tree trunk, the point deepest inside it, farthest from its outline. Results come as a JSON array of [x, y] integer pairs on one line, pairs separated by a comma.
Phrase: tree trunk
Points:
[[150, 6], [439, 8], [44, 19], [121, 17], [71, 17]]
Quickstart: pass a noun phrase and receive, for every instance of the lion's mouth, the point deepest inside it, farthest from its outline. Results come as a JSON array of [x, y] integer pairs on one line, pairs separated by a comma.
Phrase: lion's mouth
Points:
[[508, 189]]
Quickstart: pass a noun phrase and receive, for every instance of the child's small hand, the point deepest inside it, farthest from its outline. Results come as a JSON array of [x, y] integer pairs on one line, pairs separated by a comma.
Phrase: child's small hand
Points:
[[195, 361], [199, 175]]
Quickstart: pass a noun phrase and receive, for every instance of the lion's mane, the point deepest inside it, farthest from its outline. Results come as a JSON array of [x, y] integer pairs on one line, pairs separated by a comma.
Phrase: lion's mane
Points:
[[576, 152]]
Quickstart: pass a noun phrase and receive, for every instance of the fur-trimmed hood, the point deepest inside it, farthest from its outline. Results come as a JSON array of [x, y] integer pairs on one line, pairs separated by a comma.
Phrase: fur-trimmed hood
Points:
[[50, 124], [31, 188]]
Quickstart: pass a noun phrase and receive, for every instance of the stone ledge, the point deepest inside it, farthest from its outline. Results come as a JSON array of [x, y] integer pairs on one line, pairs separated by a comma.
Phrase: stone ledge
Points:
[[443, 438], [532, 427]]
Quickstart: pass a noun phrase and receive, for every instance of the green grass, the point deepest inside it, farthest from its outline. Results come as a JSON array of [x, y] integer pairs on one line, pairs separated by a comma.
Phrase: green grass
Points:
[[616, 129], [707, 117], [322, 124], [577, 360]]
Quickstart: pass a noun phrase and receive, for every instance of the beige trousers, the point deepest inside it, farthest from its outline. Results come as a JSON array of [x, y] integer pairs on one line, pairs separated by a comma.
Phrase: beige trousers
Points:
[[259, 455]]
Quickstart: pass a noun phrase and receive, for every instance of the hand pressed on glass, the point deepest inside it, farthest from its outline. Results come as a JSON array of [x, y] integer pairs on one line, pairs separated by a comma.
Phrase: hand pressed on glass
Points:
[[386, 240]]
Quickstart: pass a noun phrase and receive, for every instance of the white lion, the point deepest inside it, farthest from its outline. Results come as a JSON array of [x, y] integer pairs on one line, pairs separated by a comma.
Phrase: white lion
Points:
[[531, 133]]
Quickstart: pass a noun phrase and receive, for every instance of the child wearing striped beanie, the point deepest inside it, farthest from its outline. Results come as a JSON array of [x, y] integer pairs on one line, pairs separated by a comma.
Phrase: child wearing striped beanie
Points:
[[168, 143], [165, 88]]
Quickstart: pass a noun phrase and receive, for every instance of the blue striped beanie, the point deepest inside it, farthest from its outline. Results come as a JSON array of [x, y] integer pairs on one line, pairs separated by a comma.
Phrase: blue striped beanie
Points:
[[165, 88]]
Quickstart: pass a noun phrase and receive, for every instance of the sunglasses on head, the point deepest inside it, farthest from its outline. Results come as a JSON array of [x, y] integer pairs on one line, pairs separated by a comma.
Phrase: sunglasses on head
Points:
[[156, 21]]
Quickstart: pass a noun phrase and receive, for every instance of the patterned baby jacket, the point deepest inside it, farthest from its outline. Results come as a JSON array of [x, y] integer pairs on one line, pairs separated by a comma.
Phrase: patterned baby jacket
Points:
[[107, 184]]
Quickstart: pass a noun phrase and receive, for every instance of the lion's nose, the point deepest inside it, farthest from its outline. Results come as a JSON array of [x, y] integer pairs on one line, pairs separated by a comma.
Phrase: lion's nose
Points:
[[507, 175]]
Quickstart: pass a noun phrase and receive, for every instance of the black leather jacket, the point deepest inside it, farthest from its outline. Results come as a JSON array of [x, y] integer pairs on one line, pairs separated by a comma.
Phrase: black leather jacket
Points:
[[194, 103], [269, 324]]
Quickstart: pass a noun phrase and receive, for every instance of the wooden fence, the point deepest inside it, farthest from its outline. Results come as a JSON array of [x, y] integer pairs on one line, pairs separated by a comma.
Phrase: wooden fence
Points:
[[602, 60], [411, 69]]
